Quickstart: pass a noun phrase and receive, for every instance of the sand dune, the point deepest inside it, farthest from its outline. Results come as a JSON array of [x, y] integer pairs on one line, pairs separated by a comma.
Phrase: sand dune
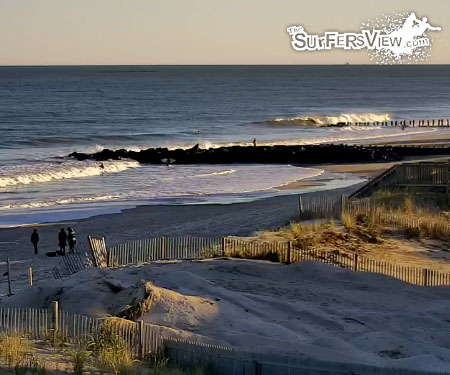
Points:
[[301, 309]]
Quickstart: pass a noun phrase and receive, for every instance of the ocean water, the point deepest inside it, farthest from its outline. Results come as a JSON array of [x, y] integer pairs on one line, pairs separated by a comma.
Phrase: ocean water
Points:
[[48, 112]]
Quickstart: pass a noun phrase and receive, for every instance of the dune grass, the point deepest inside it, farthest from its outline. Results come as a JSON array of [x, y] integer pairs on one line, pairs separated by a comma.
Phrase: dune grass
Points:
[[309, 235], [110, 351], [163, 366], [400, 210], [16, 352]]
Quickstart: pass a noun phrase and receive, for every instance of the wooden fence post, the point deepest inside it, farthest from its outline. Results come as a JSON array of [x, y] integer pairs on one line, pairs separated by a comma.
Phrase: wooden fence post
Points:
[[425, 277], [355, 266], [30, 272], [343, 204], [223, 246], [164, 247], [55, 305], [288, 255], [141, 339], [9, 277]]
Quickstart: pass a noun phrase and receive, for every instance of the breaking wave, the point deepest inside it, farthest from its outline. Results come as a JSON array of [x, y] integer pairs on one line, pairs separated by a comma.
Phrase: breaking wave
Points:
[[330, 120], [58, 202], [45, 172]]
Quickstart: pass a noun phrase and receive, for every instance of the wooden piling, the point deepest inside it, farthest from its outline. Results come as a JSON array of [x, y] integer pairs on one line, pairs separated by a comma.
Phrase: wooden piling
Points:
[[30, 273]]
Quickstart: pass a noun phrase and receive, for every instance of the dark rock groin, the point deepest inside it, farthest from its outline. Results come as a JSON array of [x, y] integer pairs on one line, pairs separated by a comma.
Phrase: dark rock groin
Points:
[[307, 154]]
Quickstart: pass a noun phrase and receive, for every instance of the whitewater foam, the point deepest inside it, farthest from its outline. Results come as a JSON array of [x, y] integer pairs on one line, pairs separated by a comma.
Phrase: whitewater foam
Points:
[[59, 202], [45, 172], [356, 133], [330, 120]]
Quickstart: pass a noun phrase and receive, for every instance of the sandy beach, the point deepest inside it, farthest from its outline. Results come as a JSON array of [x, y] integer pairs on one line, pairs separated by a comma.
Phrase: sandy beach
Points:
[[238, 219]]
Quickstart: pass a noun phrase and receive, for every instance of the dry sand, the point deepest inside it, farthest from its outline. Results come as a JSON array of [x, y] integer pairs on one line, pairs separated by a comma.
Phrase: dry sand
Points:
[[240, 219], [302, 309]]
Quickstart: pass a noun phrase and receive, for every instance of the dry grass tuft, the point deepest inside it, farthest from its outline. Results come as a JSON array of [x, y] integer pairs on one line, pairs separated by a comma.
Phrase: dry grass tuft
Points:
[[309, 235], [14, 350], [348, 220], [110, 351], [79, 357]]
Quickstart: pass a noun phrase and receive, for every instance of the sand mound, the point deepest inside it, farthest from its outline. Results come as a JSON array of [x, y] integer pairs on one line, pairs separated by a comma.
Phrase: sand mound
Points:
[[175, 310], [305, 309]]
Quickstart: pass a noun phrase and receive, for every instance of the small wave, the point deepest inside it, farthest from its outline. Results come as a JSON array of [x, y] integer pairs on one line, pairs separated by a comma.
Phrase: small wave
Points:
[[58, 202], [38, 173], [220, 173], [330, 120]]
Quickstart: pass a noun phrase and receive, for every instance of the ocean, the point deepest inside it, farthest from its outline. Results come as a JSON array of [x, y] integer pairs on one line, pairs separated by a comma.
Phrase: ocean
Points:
[[48, 112]]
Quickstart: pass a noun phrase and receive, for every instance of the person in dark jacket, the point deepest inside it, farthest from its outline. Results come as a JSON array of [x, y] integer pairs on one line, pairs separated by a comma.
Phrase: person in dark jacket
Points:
[[62, 239], [71, 238], [35, 240]]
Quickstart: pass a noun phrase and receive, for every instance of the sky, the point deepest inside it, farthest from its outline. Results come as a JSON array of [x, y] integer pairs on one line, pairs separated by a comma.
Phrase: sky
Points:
[[184, 32]]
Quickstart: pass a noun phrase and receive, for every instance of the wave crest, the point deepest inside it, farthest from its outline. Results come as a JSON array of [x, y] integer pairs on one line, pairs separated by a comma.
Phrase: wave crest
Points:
[[38, 173], [330, 120], [62, 201]]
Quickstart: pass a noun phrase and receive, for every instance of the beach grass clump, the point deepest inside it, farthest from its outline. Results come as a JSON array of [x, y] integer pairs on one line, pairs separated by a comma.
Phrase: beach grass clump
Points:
[[348, 220], [110, 351], [434, 226], [257, 251], [409, 206], [14, 350], [79, 357], [310, 235]]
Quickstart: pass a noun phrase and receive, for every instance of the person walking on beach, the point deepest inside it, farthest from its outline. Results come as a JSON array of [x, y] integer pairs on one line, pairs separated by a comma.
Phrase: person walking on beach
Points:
[[62, 239], [254, 142], [35, 240], [71, 238]]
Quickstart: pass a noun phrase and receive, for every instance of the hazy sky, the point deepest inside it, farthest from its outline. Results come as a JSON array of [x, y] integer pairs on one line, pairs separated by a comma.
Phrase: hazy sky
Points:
[[46, 32]]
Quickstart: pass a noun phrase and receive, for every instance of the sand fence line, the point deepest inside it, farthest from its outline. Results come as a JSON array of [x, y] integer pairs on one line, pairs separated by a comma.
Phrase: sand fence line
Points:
[[426, 175], [150, 250], [144, 340]]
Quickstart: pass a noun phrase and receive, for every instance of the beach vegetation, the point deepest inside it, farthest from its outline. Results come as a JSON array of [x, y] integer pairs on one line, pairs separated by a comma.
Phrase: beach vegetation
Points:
[[164, 366], [348, 221], [16, 352], [79, 356], [110, 351], [14, 349]]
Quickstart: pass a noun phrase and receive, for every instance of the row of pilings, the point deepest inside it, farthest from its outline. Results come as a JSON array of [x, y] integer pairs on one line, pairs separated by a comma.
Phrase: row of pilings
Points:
[[411, 123]]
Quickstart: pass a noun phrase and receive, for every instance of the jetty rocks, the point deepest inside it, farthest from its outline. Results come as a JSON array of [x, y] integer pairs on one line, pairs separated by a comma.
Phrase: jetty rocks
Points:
[[278, 154]]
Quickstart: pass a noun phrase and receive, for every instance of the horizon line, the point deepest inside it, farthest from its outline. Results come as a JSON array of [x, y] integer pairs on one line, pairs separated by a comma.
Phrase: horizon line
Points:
[[180, 65]]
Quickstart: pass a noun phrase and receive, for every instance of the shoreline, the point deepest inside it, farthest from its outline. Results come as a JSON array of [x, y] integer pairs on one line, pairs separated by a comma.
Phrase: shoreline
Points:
[[236, 219], [323, 182], [141, 222]]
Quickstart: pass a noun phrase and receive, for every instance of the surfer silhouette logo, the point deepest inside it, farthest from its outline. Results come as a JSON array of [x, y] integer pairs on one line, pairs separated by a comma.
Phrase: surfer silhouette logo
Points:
[[390, 39], [411, 35]]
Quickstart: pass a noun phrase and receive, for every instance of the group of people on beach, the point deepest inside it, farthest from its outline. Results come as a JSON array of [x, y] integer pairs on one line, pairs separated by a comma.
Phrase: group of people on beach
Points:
[[64, 239]]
